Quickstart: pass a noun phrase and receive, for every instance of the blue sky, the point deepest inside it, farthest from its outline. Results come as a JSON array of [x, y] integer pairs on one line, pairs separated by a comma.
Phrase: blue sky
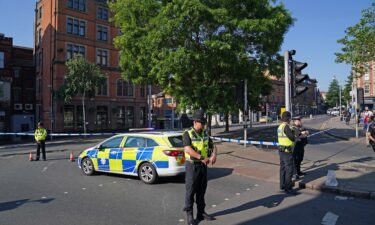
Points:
[[318, 25]]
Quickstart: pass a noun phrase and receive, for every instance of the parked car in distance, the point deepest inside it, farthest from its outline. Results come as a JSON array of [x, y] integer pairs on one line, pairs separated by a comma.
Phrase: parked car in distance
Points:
[[265, 119]]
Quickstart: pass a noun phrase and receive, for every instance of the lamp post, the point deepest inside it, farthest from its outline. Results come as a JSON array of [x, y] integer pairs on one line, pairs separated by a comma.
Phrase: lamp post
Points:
[[334, 77]]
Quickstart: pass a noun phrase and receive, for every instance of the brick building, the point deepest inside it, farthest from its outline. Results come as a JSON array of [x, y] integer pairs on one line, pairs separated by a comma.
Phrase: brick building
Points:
[[367, 82], [67, 27], [17, 87]]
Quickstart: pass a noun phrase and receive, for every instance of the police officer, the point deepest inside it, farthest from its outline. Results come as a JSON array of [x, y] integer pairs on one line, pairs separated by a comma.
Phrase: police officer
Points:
[[299, 149], [286, 140], [199, 152], [40, 138]]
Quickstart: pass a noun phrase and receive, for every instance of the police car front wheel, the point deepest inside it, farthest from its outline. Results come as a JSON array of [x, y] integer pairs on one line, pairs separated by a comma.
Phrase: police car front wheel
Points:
[[87, 166], [147, 173]]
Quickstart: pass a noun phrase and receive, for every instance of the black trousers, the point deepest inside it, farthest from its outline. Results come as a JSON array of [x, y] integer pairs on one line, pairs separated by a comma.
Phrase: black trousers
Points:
[[372, 145], [196, 185], [286, 170], [41, 144], [298, 154]]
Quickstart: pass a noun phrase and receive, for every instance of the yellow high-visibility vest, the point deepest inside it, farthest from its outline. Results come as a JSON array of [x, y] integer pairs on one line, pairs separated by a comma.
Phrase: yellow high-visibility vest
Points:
[[282, 138], [199, 143], [40, 134]]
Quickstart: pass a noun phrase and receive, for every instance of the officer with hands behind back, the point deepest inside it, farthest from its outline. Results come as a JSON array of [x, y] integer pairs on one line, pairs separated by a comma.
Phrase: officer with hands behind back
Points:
[[199, 152]]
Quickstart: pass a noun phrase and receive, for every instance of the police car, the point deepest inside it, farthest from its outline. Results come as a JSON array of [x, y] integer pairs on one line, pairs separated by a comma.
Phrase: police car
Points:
[[148, 155]]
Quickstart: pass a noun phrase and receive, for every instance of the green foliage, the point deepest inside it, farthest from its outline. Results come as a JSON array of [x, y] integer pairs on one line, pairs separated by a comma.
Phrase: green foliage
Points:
[[359, 42], [82, 78], [199, 50], [348, 87], [333, 94]]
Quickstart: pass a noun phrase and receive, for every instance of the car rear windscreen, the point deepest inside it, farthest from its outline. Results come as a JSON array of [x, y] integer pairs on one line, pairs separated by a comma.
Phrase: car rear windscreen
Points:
[[176, 141]]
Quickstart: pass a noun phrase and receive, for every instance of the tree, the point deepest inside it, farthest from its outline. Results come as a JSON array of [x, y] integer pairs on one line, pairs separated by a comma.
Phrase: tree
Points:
[[82, 79], [359, 42], [347, 89], [199, 50], [332, 98]]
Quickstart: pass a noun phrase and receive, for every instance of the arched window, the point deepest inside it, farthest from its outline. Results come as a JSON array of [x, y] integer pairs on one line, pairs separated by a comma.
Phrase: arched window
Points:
[[124, 88]]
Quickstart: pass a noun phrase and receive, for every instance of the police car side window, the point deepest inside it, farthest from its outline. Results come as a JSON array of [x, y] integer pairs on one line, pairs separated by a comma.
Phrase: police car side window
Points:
[[151, 143], [135, 142], [112, 143]]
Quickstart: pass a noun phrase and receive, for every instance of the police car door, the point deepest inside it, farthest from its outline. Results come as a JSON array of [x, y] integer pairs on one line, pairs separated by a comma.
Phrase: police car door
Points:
[[107, 154], [129, 153]]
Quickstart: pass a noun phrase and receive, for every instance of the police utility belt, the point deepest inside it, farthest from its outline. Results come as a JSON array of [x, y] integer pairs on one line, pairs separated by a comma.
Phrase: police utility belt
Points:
[[287, 149], [193, 160]]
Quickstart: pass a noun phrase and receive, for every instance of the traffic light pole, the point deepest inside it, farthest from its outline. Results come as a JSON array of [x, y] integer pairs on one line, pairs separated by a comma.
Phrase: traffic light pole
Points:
[[287, 81], [355, 105]]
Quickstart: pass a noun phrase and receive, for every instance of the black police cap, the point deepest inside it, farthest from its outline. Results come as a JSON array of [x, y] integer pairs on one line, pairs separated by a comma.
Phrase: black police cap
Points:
[[199, 116]]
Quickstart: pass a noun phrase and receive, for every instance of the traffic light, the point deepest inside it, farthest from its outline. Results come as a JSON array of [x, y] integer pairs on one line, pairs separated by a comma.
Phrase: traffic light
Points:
[[297, 78]]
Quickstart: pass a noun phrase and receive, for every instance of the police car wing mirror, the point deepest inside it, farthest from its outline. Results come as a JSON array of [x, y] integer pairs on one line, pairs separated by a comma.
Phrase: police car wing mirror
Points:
[[100, 147]]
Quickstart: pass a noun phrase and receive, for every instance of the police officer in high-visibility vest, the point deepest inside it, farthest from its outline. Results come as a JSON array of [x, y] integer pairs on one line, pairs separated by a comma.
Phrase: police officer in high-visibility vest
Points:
[[199, 152], [286, 139], [40, 138]]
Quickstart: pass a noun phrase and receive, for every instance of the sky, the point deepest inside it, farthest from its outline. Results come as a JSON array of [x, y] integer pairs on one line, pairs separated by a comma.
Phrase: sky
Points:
[[317, 27]]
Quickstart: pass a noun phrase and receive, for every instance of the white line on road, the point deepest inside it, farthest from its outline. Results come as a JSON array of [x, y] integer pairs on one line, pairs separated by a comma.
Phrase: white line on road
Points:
[[44, 169], [329, 219]]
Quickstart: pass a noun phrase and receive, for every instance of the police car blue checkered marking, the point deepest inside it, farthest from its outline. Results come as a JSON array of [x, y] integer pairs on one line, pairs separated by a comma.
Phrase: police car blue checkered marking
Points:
[[162, 164], [128, 166], [103, 164], [144, 153]]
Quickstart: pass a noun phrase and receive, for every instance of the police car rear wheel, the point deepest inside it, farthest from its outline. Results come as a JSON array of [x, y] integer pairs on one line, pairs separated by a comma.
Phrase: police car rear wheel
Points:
[[87, 166], [147, 173]]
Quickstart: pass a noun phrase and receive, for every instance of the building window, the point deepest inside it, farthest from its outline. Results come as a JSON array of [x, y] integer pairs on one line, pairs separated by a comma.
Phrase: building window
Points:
[[16, 72], [367, 89], [79, 5], [2, 87], [102, 13], [38, 86], [79, 116], [72, 49], [124, 88], [102, 33], [125, 117], [40, 12], [168, 101], [17, 94], [103, 88], [39, 38], [39, 58], [102, 57], [2, 60], [143, 91], [101, 117], [68, 117], [76, 26]]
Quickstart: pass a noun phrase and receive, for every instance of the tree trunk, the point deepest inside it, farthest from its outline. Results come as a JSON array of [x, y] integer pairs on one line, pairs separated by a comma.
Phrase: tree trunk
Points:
[[227, 122], [84, 113], [209, 124]]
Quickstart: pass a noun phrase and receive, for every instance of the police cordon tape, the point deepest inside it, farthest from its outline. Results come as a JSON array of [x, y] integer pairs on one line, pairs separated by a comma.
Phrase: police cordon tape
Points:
[[239, 141], [266, 143]]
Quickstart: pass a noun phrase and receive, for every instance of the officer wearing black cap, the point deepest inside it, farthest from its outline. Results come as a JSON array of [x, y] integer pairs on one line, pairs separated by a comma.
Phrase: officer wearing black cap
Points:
[[299, 149], [286, 140], [199, 152]]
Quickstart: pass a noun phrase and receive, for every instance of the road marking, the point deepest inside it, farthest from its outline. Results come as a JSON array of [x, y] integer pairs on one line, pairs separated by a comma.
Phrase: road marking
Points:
[[248, 189], [44, 169], [341, 198], [329, 219], [226, 199], [100, 185], [83, 188], [181, 220], [65, 192], [213, 206], [238, 194]]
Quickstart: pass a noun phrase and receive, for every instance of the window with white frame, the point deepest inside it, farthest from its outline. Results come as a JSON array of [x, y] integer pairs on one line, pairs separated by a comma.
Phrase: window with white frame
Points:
[[367, 89], [102, 33], [102, 90], [76, 26], [72, 49], [102, 57]]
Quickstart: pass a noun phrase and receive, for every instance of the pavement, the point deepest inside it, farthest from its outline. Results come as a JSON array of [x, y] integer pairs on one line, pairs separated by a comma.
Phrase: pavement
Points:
[[355, 177]]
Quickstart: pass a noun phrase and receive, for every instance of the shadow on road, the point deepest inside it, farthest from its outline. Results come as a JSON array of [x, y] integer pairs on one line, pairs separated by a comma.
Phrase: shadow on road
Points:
[[4, 206]]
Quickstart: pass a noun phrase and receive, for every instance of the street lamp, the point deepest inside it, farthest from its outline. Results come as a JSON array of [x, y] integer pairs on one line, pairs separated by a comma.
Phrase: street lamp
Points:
[[334, 77]]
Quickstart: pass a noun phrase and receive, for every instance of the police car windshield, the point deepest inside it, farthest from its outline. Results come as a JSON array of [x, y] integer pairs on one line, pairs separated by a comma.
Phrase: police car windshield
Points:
[[176, 141]]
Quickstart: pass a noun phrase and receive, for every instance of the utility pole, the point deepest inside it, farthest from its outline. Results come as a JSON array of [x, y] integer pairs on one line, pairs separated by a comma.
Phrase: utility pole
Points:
[[287, 81], [244, 112], [172, 117], [149, 102], [354, 89]]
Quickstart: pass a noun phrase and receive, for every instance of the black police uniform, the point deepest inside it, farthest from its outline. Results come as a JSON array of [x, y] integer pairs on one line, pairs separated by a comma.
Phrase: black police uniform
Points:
[[195, 179], [299, 150], [286, 163], [371, 130]]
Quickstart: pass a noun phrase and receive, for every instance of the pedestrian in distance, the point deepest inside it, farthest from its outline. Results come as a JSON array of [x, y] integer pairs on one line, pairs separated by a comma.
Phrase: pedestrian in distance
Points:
[[300, 142], [199, 152], [40, 138], [286, 140]]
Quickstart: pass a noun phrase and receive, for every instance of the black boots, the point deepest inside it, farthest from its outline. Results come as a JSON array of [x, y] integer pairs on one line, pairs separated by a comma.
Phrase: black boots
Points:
[[204, 216]]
